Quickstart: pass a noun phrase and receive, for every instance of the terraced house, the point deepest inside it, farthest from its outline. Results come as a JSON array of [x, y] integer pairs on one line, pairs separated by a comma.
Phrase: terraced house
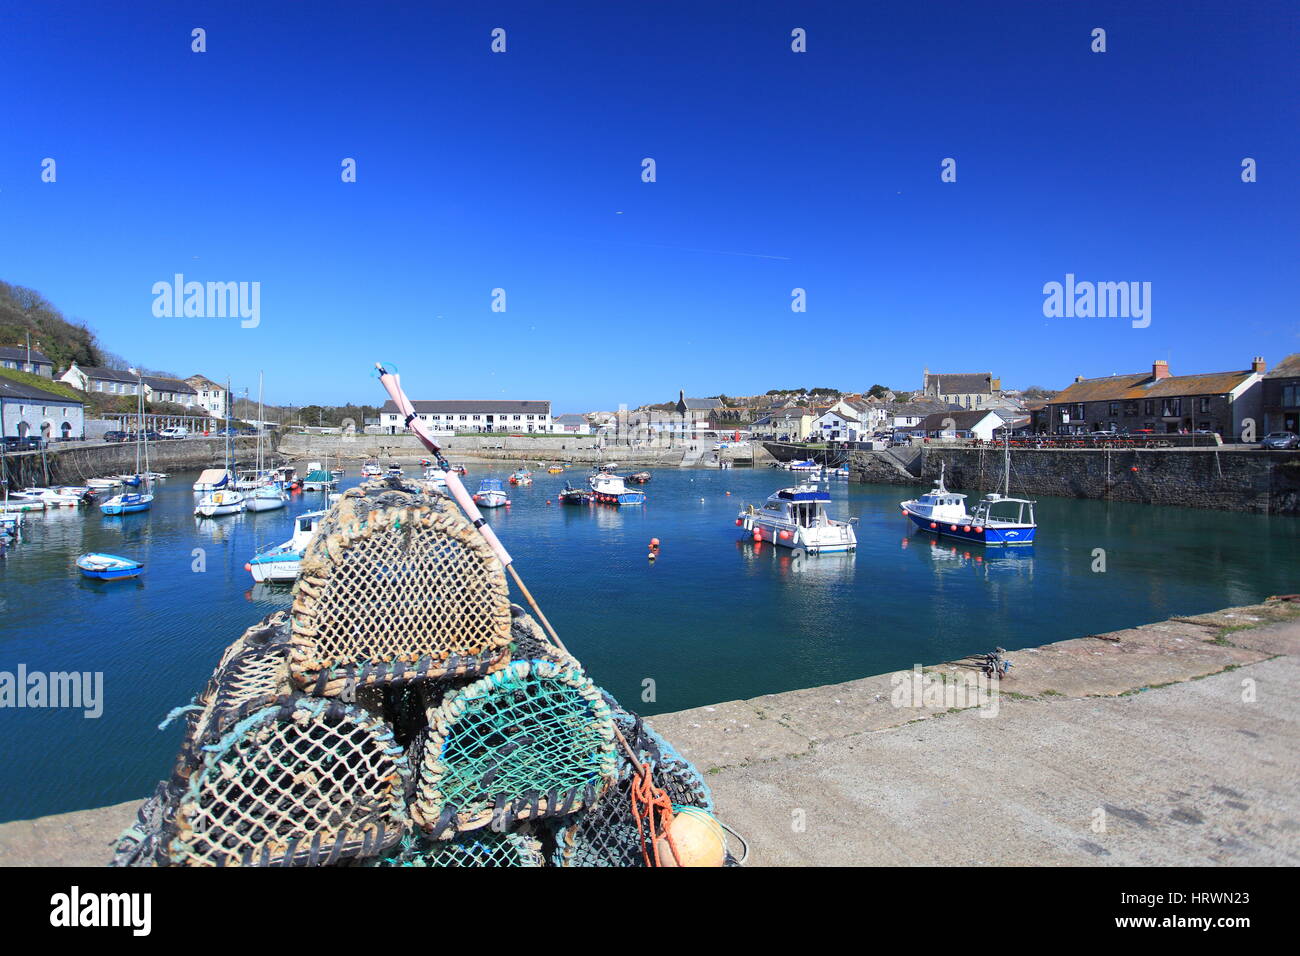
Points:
[[20, 358], [1157, 402]]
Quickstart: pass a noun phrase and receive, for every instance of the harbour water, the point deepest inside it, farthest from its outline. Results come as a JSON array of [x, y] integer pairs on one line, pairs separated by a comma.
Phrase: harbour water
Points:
[[714, 618]]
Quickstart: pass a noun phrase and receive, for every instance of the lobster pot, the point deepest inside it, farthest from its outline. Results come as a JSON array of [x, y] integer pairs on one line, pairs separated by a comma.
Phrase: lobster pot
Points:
[[528, 641], [477, 848], [607, 834], [143, 842], [396, 585], [253, 673], [533, 740], [307, 781]]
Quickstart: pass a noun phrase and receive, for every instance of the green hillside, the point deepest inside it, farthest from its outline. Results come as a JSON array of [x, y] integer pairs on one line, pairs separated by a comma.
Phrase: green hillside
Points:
[[24, 311], [39, 381]]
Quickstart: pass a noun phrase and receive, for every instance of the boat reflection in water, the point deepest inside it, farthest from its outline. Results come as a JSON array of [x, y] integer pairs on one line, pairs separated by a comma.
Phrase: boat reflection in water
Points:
[[949, 556], [835, 567]]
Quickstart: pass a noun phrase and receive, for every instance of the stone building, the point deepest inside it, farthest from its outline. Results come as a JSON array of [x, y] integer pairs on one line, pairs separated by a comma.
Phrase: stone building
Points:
[[22, 359], [1281, 398], [30, 412], [1157, 402], [969, 390]]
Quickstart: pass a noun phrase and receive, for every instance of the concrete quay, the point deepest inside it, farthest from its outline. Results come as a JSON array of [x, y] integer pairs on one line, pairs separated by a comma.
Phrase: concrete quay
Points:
[[1166, 744]]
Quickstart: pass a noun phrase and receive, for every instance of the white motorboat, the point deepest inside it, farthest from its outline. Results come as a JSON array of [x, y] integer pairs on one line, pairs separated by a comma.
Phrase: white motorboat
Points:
[[371, 469], [491, 494], [796, 518], [102, 484], [227, 501], [54, 498], [281, 563]]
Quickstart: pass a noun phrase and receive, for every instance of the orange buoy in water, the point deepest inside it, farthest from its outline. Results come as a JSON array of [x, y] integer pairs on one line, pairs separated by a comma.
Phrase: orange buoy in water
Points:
[[654, 542], [785, 534], [698, 837], [248, 567], [758, 534], [739, 522]]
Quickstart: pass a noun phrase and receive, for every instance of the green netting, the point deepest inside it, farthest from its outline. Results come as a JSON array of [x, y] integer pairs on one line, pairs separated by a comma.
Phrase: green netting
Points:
[[477, 848], [606, 834], [533, 740]]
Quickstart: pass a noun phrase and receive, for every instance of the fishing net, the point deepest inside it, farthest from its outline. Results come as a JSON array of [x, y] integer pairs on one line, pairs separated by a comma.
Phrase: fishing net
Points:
[[396, 585], [143, 842], [607, 833], [533, 740], [528, 641], [253, 673], [477, 848], [307, 781]]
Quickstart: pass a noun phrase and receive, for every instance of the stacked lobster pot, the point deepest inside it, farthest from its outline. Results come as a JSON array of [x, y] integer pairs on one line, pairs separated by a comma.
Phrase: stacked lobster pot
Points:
[[404, 713]]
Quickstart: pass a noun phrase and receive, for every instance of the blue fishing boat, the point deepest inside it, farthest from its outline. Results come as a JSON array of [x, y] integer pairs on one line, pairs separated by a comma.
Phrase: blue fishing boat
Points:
[[996, 520], [126, 504], [108, 567], [610, 490]]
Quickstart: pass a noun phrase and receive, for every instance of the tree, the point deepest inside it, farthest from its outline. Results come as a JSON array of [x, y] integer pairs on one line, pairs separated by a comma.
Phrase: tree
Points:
[[878, 391]]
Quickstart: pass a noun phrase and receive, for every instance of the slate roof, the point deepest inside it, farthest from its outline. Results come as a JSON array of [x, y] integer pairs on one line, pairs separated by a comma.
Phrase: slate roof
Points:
[[489, 407], [21, 390], [1116, 388], [19, 353]]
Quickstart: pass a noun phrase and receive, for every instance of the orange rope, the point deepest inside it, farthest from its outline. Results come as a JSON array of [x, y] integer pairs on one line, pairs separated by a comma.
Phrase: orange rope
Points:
[[646, 794]]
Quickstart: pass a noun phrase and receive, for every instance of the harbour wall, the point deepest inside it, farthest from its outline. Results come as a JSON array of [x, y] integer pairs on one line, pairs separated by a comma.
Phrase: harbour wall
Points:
[[72, 463], [1148, 724], [575, 448], [1243, 479]]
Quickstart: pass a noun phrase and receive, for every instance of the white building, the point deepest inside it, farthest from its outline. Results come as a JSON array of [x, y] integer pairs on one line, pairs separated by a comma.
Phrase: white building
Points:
[[173, 390], [109, 381], [209, 396], [510, 417], [963, 424], [572, 425], [839, 424], [30, 412]]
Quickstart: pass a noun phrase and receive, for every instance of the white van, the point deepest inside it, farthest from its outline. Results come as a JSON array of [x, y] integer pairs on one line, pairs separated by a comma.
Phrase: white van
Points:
[[174, 432]]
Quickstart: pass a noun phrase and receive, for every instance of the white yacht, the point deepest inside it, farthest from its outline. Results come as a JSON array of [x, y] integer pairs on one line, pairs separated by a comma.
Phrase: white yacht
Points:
[[281, 563], [796, 518]]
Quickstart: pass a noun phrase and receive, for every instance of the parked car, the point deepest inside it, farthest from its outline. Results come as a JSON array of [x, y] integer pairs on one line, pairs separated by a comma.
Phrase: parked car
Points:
[[115, 436], [1280, 440], [30, 443], [174, 431]]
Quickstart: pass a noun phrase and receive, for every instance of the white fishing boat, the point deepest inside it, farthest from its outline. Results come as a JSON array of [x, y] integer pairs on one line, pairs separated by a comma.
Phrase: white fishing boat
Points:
[[103, 484], [491, 494], [371, 469], [796, 518], [435, 475], [394, 470], [281, 562]]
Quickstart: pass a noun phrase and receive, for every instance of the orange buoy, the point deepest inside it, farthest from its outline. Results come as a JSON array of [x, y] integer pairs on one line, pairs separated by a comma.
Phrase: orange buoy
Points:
[[952, 527], [933, 525], [758, 534], [785, 534], [739, 522], [654, 542], [1134, 468], [248, 567], [964, 527], [979, 529], [698, 838]]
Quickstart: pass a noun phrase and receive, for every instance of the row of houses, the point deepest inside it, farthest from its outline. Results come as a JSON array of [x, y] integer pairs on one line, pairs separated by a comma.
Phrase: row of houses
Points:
[[28, 410]]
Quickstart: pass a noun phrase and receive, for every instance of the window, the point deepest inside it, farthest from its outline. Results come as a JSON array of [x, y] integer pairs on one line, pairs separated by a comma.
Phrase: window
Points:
[[1149, 407], [1203, 406], [1289, 394], [1171, 407], [1114, 409]]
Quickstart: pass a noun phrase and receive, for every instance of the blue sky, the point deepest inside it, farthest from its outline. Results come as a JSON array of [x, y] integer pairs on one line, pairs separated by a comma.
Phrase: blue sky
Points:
[[775, 170]]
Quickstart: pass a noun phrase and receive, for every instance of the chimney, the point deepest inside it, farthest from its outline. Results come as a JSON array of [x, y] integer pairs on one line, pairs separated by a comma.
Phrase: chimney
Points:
[[1159, 369], [1258, 364], [1078, 379]]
